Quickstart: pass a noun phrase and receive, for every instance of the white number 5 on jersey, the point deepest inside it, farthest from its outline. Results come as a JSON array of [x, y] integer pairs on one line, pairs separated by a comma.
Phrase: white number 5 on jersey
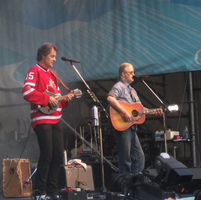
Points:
[[30, 76]]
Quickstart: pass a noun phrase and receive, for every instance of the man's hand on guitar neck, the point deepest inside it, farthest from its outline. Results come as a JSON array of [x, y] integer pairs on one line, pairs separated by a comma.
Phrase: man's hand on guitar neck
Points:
[[160, 111], [54, 100], [69, 96]]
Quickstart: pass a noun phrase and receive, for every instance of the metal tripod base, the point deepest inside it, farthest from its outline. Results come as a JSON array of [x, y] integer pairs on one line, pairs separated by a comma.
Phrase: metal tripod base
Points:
[[106, 160]]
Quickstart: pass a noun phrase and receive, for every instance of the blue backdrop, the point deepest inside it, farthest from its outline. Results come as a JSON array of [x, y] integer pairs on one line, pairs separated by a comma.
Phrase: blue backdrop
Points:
[[157, 36]]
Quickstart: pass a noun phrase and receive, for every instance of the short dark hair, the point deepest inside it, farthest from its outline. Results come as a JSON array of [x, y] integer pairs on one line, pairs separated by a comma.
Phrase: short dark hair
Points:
[[45, 49]]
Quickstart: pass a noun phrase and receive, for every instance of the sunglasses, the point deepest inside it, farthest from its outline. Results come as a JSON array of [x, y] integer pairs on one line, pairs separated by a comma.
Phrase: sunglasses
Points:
[[131, 72]]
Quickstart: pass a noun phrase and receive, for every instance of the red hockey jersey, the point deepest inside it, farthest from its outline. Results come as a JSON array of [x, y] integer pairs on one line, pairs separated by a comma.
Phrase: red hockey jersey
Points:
[[38, 81]]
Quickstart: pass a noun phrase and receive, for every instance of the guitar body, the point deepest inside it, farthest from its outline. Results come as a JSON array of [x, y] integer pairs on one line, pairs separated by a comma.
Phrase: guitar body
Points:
[[47, 109], [118, 122]]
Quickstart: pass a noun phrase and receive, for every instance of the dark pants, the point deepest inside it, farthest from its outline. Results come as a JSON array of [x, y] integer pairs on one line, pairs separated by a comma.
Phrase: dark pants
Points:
[[50, 140]]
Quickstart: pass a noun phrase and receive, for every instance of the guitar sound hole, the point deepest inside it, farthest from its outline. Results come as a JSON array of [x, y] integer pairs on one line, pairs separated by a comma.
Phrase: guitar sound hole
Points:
[[135, 113], [48, 108]]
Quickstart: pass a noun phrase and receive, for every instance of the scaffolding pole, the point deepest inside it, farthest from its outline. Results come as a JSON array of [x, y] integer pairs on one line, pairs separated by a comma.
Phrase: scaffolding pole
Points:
[[192, 118]]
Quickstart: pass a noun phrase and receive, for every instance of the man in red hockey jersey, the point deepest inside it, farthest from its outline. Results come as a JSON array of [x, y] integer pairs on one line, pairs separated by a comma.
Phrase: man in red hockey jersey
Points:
[[38, 86]]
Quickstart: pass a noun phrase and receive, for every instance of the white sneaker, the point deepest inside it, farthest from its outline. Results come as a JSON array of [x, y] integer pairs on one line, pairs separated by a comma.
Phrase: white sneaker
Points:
[[41, 197], [53, 197]]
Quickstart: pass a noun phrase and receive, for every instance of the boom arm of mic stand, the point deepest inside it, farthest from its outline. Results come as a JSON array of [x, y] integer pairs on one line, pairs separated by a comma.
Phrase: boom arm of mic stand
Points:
[[91, 93], [164, 116], [154, 94]]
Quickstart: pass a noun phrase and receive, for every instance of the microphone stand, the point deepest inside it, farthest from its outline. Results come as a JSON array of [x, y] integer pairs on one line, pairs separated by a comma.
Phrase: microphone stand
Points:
[[164, 115], [91, 93], [95, 99]]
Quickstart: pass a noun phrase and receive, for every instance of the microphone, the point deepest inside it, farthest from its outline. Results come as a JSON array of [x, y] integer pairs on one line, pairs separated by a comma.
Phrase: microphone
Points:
[[145, 76], [70, 60], [28, 180], [26, 183]]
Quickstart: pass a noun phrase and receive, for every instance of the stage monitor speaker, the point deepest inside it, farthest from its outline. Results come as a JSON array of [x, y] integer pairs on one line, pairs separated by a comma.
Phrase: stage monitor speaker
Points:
[[78, 177], [188, 187], [150, 191], [15, 173], [191, 186]]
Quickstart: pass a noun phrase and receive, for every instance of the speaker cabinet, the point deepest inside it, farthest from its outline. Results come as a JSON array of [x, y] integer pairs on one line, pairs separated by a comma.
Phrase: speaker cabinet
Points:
[[77, 177], [15, 173], [191, 186], [188, 187]]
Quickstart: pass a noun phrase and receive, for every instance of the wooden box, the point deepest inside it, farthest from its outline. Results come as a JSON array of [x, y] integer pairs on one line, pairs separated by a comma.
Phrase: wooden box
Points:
[[15, 174]]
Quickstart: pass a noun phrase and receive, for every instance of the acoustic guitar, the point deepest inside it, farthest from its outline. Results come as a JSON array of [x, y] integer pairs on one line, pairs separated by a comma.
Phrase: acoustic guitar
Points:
[[135, 109], [49, 109]]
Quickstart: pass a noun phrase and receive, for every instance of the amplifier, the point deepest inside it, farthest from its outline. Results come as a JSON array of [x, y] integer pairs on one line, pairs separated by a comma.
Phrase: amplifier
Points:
[[15, 173], [79, 177]]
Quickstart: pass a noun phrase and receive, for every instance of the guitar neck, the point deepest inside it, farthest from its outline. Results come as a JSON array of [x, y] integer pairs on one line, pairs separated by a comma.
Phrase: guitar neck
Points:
[[149, 111], [60, 98], [77, 93]]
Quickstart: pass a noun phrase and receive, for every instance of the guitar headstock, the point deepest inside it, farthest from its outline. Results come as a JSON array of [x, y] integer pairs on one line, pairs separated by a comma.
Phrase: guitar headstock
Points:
[[77, 93]]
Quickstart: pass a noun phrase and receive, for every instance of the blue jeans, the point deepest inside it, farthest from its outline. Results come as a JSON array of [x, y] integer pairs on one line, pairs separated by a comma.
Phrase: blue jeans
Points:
[[51, 144], [130, 154]]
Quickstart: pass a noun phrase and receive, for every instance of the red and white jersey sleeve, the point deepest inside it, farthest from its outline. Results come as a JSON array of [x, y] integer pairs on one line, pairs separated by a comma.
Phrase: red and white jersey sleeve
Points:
[[38, 81]]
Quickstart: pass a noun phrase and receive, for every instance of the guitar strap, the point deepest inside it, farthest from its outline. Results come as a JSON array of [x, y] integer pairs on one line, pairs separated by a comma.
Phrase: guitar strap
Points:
[[52, 72], [133, 96]]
